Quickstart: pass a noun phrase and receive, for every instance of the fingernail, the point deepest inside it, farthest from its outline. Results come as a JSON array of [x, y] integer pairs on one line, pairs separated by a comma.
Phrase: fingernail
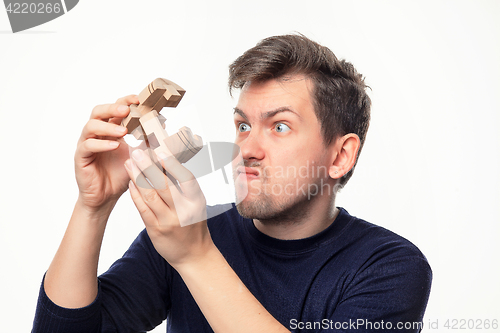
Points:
[[128, 165], [114, 144], [122, 108], [120, 129], [138, 155], [162, 156], [131, 184]]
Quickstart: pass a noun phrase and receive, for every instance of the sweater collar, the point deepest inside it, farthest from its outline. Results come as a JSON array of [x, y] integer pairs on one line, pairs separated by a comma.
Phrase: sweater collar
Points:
[[298, 245]]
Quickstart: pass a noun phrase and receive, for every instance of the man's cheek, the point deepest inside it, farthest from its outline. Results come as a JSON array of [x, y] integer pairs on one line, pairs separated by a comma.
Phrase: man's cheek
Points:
[[255, 189]]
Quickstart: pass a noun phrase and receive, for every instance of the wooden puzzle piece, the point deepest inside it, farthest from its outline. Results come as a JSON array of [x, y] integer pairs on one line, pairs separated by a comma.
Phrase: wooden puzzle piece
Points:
[[131, 122], [153, 131], [184, 144], [146, 123], [159, 94]]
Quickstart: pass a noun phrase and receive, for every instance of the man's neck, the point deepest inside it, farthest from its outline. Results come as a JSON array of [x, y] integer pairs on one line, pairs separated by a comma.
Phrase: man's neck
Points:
[[319, 216]]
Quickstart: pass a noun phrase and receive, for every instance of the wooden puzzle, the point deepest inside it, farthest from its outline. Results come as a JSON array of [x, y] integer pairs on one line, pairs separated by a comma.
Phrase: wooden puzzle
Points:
[[146, 123]]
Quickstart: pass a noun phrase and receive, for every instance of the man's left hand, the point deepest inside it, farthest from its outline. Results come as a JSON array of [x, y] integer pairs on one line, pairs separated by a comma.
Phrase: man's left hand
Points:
[[172, 208]]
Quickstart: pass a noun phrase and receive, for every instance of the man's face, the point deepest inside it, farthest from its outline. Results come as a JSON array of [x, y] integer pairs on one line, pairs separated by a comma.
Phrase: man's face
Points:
[[285, 160]]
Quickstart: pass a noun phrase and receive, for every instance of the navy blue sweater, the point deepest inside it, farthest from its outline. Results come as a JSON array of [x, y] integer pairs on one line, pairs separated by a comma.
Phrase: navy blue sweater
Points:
[[353, 276]]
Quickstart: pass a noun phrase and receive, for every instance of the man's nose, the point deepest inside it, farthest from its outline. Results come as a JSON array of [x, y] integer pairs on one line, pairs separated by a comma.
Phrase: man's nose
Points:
[[252, 147]]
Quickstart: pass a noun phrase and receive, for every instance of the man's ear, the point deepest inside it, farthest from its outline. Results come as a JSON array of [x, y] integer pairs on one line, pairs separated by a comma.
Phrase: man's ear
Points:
[[345, 152]]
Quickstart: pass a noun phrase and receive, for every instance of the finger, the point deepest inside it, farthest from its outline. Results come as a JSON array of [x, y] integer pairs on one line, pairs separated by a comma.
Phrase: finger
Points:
[[116, 121], [161, 183], [149, 169], [95, 128], [92, 146], [146, 213], [137, 176], [127, 100], [151, 197], [187, 181], [107, 111], [155, 176]]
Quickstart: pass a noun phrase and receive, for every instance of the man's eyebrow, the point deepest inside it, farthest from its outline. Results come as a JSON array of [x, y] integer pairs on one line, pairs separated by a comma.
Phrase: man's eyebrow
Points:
[[241, 113], [268, 114]]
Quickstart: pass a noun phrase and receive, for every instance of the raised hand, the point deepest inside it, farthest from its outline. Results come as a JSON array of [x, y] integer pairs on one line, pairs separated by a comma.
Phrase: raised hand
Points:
[[100, 155], [173, 209]]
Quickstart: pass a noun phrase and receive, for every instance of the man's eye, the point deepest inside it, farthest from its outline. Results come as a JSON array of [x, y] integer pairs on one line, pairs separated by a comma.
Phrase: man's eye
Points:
[[243, 127], [280, 127]]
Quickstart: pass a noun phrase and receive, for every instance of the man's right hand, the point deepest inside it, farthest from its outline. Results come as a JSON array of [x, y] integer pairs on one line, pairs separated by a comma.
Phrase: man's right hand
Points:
[[100, 155]]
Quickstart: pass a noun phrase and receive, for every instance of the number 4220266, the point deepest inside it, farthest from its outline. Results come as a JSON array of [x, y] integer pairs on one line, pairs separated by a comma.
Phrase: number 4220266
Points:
[[34, 8], [476, 324]]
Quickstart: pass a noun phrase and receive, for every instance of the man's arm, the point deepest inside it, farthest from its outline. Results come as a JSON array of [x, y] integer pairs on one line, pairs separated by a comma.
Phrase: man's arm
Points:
[[133, 296], [175, 219], [225, 301], [72, 298], [71, 280]]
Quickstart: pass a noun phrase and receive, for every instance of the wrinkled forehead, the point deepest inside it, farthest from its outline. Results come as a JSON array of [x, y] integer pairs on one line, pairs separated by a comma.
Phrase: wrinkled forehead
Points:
[[262, 96]]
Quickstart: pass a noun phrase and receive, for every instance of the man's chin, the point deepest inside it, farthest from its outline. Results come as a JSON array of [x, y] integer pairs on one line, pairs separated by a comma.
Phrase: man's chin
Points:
[[260, 208], [269, 211], [252, 209], [245, 209]]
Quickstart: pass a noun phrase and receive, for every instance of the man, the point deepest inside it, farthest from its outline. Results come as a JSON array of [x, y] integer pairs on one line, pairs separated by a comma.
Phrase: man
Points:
[[286, 258]]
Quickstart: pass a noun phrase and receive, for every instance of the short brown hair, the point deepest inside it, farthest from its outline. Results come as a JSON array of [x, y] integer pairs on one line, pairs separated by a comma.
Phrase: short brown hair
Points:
[[341, 103]]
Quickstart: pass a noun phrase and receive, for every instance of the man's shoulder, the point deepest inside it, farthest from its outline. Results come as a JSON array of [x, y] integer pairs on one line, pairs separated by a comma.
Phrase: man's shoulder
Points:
[[356, 240], [347, 229], [378, 268], [371, 235], [373, 246]]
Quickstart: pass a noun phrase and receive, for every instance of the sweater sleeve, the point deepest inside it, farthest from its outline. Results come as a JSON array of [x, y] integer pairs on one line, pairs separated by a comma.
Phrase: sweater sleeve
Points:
[[388, 294], [133, 296]]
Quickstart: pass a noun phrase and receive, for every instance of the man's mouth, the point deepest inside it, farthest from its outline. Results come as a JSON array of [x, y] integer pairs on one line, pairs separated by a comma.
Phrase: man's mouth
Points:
[[250, 173]]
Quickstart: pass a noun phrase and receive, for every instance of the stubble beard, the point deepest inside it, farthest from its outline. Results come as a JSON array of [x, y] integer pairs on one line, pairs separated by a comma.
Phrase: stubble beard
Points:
[[271, 209]]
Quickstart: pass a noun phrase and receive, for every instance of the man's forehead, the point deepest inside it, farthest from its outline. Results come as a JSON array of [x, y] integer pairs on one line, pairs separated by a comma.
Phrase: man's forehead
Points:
[[283, 81], [262, 100]]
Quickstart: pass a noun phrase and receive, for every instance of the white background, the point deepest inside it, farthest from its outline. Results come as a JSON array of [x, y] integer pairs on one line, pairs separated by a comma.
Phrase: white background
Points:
[[429, 170]]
